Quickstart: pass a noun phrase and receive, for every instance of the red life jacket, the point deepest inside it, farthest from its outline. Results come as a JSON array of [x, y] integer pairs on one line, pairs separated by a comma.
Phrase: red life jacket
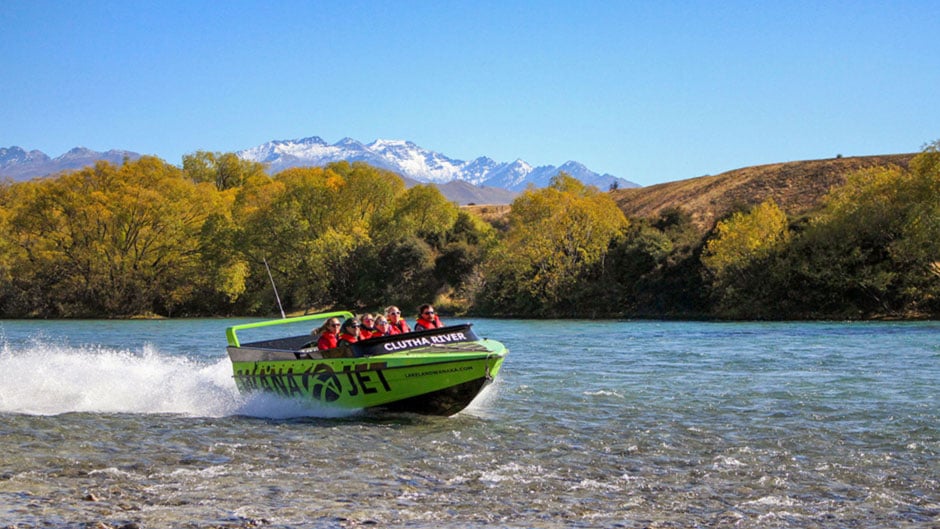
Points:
[[423, 324], [346, 337], [365, 334], [401, 327], [326, 341]]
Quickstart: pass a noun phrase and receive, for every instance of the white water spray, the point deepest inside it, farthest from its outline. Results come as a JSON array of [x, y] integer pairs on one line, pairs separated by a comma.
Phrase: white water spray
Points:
[[43, 378]]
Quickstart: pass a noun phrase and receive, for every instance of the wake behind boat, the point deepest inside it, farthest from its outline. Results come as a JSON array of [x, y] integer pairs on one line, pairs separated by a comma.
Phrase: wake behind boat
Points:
[[432, 372]]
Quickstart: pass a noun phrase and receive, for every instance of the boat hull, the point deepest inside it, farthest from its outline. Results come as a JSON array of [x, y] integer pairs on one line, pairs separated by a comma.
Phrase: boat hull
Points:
[[434, 384]]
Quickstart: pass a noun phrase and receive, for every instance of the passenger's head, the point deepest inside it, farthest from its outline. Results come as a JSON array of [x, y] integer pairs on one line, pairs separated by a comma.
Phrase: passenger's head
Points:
[[426, 311], [367, 320], [393, 313], [350, 326], [331, 325], [381, 324]]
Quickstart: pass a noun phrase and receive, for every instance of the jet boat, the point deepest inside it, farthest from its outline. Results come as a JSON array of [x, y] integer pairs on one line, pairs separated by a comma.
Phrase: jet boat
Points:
[[432, 372]]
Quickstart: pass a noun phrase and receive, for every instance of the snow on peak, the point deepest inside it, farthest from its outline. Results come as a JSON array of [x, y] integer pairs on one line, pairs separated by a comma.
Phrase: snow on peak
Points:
[[412, 161]]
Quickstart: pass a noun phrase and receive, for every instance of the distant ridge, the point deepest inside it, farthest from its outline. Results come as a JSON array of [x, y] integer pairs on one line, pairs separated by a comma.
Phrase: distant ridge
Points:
[[465, 193], [18, 164]]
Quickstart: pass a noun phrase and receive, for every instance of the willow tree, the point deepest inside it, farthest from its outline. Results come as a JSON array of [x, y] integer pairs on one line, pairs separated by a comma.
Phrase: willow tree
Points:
[[12, 258], [744, 238], [112, 241], [307, 223], [424, 212], [224, 170], [555, 235], [739, 256]]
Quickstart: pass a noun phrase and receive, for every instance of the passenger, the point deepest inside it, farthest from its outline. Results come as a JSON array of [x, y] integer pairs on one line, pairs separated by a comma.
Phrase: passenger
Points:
[[367, 326], [427, 319], [349, 332], [396, 324], [327, 334], [382, 328]]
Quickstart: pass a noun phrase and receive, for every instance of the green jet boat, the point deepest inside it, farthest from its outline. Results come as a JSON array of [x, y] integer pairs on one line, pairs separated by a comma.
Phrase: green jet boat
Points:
[[431, 372]]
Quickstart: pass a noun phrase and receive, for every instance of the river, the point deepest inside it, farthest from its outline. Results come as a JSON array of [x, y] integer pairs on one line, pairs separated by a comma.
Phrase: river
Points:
[[635, 424]]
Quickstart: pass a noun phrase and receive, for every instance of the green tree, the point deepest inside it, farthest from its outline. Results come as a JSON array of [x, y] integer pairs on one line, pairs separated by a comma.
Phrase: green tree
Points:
[[423, 211], [318, 228], [652, 269]]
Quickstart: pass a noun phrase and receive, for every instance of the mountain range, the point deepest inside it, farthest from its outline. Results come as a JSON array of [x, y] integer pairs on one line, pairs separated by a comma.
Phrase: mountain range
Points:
[[421, 165], [481, 180]]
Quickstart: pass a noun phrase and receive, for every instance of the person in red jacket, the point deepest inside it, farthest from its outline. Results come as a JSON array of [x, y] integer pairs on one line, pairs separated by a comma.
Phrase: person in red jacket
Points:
[[328, 334], [367, 327], [382, 328], [427, 319], [397, 324], [349, 332]]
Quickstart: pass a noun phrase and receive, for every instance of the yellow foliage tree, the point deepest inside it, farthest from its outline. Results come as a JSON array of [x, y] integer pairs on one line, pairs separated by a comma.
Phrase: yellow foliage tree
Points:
[[224, 170], [745, 238], [115, 240], [555, 234], [307, 222]]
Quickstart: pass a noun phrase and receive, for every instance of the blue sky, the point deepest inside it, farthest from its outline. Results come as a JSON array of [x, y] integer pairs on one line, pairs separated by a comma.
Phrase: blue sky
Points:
[[648, 91]]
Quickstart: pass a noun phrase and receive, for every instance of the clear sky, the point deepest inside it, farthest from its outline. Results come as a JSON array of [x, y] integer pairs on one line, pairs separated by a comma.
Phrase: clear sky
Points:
[[650, 91]]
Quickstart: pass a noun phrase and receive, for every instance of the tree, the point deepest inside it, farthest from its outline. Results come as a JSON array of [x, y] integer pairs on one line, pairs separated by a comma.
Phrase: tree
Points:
[[320, 229], [114, 241], [744, 238], [224, 170], [739, 256], [555, 235], [423, 211]]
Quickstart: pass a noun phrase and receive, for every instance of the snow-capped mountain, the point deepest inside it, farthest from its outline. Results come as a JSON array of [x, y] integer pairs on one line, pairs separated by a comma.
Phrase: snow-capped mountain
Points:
[[481, 180], [418, 163]]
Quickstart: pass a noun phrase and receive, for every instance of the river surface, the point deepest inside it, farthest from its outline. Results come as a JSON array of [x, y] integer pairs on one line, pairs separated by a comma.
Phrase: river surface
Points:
[[138, 424]]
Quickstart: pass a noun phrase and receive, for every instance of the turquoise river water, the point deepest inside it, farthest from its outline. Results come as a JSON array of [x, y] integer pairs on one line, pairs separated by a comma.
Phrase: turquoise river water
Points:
[[138, 424]]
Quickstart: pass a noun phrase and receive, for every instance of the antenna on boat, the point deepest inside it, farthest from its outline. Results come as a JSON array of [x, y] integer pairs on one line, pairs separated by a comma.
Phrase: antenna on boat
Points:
[[277, 297]]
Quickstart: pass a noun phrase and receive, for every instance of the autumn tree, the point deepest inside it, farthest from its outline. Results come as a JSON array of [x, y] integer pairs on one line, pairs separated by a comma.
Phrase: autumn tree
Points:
[[424, 212], [224, 170], [739, 253], [291, 224], [555, 235], [745, 238], [110, 240], [330, 233]]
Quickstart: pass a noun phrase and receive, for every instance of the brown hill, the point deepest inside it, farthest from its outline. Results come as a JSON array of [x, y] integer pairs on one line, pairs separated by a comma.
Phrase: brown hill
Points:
[[795, 186]]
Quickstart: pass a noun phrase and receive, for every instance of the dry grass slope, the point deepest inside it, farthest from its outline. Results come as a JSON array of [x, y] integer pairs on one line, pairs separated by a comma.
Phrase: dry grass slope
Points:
[[796, 187], [495, 214]]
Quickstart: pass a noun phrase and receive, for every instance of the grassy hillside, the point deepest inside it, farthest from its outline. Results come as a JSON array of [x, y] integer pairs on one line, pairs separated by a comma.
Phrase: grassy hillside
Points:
[[795, 186], [495, 214]]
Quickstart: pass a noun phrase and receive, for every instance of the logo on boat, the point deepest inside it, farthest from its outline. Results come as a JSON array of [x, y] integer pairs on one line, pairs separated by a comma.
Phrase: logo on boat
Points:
[[326, 386], [410, 343], [320, 381]]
